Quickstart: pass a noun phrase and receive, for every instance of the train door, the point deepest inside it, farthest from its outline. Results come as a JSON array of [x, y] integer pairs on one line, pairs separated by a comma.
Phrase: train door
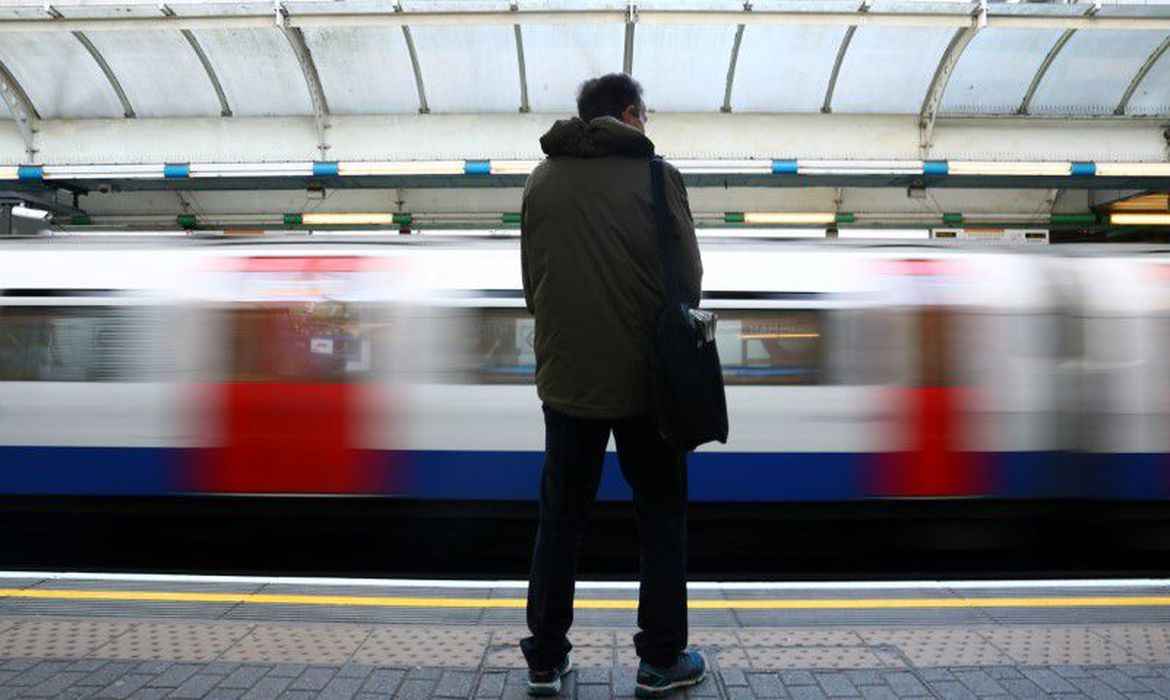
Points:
[[302, 353], [928, 453]]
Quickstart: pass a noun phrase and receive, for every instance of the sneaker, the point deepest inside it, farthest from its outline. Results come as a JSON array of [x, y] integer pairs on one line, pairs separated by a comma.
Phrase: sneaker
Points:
[[689, 669], [548, 682]]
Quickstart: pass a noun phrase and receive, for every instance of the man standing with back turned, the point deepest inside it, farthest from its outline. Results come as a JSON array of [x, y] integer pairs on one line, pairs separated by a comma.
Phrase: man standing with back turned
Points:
[[593, 279]]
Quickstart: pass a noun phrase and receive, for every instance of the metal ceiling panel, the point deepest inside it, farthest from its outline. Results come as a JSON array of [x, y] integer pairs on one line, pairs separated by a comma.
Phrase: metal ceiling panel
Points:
[[258, 70], [1092, 72], [59, 76], [364, 70], [220, 7], [1153, 93], [161, 74], [784, 69], [469, 68], [683, 68], [559, 58], [454, 5], [888, 69], [994, 73], [74, 11]]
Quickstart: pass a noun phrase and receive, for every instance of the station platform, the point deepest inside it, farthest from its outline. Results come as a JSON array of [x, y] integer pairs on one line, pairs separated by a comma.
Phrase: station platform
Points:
[[125, 636]]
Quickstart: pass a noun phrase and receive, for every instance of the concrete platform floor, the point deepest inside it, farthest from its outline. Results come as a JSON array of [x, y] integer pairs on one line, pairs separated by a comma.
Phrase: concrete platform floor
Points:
[[70, 637]]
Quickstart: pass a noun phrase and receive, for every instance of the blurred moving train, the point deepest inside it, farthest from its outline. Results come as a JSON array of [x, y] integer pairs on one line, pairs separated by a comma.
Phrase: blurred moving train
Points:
[[404, 368]]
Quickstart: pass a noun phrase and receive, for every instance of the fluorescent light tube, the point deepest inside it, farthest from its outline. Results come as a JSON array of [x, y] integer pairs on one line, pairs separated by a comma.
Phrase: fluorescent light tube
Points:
[[101, 172], [1140, 219], [347, 219], [789, 217], [513, 167], [980, 167], [884, 233], [408, 167], [251, 169], [1134, 169], [729, 167], [29, 213], [859, 167], [760, 233]]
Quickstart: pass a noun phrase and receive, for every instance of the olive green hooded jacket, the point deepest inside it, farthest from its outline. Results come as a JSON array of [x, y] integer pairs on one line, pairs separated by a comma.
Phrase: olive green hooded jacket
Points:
[[592, 275]]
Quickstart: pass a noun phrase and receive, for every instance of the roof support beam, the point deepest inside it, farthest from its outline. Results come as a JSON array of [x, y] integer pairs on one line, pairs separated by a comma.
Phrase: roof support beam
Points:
[[957, 19], [827, 106], [296, 40], [127, 108], [22, 110], [524, 106], [726, 108], [423, 107], [225, 109], [938, 84], [1026, 103], [1141, 75], [628, 54]]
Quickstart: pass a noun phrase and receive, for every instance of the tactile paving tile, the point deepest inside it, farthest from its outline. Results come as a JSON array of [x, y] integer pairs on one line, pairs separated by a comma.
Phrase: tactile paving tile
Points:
[[58, 638], [1150, 642], [795, 636], [508, 635], [627, 656], [504, 657], [424, 646], [318, 644], [778, 658], [591, 637], [715, 637], [730, 657], [173, 641], [939, 646], [1051, 645], [591, 657]]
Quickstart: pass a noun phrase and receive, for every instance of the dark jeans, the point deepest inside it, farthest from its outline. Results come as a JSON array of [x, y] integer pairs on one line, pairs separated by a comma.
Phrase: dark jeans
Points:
[[657, 473]]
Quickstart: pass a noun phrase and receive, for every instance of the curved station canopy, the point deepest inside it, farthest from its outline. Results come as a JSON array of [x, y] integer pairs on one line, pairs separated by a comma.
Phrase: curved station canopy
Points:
[[770, 104]]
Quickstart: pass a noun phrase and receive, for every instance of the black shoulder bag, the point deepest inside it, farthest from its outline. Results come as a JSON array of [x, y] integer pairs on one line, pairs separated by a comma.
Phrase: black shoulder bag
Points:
[[691, 405]]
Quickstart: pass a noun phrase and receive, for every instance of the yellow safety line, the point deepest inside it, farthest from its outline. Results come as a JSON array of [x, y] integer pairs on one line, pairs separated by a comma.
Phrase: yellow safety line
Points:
[[587, 603]]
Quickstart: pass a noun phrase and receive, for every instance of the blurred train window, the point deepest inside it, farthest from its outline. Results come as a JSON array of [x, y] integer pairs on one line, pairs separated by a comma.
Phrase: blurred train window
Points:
[[83, 344], [771, 346], [505, 353], [305, 341], [868, 346]]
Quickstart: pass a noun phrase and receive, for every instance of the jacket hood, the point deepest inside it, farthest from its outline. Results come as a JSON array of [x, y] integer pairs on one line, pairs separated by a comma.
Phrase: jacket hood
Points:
[[603, 136]]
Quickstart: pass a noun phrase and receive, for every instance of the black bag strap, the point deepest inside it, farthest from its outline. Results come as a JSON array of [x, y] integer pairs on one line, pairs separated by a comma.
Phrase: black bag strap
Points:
[[662, 222]]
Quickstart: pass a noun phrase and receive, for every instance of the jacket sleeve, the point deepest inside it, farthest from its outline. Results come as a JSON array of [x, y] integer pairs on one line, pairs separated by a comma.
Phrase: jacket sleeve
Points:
[[690, 272], [525, 264]]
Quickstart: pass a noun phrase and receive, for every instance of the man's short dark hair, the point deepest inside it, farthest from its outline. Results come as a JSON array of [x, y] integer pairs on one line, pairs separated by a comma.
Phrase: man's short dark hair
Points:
[[608, 96]]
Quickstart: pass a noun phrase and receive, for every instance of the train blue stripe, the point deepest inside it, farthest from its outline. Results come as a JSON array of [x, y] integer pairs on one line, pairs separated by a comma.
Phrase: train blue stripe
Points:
[[514, 475], [713, 476], [105, 471]]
